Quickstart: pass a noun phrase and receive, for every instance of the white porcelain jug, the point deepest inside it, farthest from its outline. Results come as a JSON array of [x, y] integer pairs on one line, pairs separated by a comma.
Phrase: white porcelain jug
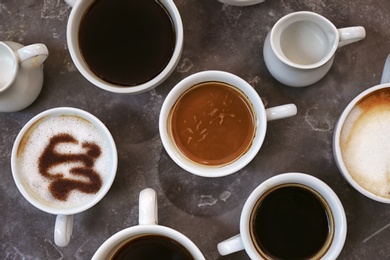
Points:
[[21, 74], [300, 48]]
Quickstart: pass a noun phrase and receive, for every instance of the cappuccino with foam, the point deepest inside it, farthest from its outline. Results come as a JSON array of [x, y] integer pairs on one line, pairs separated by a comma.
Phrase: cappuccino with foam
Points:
[[64, 160], [365, 142]]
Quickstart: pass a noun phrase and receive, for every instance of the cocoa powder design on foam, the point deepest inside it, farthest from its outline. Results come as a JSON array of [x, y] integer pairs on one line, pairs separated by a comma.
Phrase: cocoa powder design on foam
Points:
[[60, 187]]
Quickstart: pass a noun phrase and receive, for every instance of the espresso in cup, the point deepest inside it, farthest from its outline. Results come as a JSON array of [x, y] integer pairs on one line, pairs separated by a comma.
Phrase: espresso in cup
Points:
[[150, 246], [126, 43], [290, 216], [212, 123], [148, 240], [364, 142], [291, 221]]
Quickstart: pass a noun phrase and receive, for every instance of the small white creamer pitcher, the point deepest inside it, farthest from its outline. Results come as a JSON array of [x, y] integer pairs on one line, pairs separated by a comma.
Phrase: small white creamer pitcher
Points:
[[21, 74], [300, 48]]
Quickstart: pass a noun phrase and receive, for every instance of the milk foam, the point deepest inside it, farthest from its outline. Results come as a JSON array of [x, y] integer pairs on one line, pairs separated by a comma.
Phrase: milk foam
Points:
[[365, 147], [35, 141]]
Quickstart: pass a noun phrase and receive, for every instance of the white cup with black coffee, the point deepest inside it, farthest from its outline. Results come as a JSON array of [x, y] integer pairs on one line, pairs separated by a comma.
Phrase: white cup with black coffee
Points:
[[64, 161], [361, 143], [125, 46], [148, 240], [290, 216], [213, 123]]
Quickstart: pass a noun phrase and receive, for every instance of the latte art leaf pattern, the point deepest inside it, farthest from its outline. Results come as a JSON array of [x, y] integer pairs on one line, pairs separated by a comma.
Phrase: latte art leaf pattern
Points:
[[61, 186]]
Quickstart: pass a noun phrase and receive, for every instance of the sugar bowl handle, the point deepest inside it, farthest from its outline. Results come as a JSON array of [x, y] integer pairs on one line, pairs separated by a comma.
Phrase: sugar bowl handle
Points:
[[351, 34], [38, 52]]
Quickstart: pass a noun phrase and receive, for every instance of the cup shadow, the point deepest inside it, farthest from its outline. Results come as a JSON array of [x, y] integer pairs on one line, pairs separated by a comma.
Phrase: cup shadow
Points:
[[200, 196]]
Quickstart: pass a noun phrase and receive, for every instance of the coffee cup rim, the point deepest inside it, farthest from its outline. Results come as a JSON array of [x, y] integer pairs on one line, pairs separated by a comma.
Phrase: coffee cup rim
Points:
[[72, 42], [108, 182], [337, 149], [241, 2], [340, 221], [295, 17], [106, 248], [260, 123]]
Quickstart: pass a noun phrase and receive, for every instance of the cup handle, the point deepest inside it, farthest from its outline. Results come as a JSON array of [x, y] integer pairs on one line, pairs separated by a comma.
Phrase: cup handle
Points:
[[71, 2], [386, 71], [351, 34], [230, 245], [279, 112], [38, 50], [148, 207], [63, 230]]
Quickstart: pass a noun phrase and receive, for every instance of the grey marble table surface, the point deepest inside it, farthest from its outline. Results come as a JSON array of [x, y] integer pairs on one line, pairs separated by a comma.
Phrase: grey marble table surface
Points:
[[216, 36]]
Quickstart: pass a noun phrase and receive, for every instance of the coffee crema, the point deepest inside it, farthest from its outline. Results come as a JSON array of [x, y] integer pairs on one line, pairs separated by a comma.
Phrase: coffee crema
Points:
[[151, 246], [212, 123], [291, 221], [365, 142], [126, 43], [63, 160]]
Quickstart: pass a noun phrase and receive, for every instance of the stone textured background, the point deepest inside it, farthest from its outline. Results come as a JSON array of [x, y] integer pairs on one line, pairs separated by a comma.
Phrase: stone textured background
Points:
[[217, 36]]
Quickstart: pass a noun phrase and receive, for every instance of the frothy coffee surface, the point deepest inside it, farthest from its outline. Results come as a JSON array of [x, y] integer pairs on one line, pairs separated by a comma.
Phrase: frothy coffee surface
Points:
[[63, 161], [212, 123], [365, 143]]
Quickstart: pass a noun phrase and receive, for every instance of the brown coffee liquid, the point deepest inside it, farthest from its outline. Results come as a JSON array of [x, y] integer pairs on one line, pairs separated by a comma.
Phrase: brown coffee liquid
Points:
[[150, 247], [291, 222], [212, 123], [126, 42]]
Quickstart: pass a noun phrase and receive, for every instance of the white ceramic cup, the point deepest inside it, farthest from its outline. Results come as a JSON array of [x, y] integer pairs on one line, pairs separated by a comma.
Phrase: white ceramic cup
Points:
[[243, 240], [148, 225], [64, 221], [78, 10], [17, 89], [369, 148], [261, 114], [299, 50], [241, 2]]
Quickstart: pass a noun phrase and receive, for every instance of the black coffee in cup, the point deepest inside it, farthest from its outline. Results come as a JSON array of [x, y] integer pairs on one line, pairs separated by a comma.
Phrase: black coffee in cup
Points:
[[151, 246], [126, 42], [292, 221]]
